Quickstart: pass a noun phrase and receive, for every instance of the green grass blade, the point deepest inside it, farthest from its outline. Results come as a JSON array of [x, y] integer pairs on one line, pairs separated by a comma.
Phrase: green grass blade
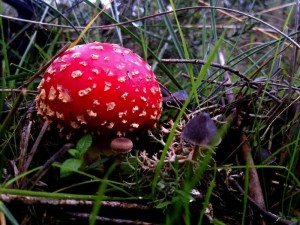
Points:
[[189, 68], [100, 195], [207, 196], [137, 40], [180, 114], [8, 214], [171, 29]]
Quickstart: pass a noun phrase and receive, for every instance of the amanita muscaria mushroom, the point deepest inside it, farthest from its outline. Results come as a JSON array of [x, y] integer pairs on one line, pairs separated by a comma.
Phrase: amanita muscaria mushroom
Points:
[[100, 87]]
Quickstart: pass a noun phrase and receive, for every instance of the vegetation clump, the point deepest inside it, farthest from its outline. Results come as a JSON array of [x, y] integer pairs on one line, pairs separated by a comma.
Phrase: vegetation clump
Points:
[[222, 147]]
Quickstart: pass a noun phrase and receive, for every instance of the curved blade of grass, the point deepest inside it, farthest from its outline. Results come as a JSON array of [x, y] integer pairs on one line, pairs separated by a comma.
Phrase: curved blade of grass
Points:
[[208, 194], [3, 49], [132, 35], [6, 72], [295, 52], [8, 214], [170, 28], [247, 15], [114, 12], [180, 114], [261, 21], [30, 44], [188, 67], [81, 35], [137, 40], [62, 15], [13, 180], [277, 52], [116, 185], [6, 123], [100, 195]]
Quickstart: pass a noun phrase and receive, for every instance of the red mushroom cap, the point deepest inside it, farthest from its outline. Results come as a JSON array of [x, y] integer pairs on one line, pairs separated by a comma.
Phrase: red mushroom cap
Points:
[[100, 87]]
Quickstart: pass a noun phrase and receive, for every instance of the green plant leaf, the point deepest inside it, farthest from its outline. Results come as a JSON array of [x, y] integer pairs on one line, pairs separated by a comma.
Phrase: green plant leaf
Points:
[[8, 214], [74, 152], [69, 166], [163, 205], [84, 143], [217, 222]]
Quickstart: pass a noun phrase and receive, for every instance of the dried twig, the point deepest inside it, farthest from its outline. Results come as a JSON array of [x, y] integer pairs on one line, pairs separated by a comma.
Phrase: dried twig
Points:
[[30, 200], [109, 220], [24, 167], [202, 62], [255, 191], [43, 68], [35, 145], [275, 218], [227, 79], [46, 166], [71, 207], [25, 135]]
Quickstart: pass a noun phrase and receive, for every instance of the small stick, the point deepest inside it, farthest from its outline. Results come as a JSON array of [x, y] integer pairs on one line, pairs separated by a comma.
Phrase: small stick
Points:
[[202, 62], [227, 79], [24, 144], [46, 166], [43, 68], [30, 200], [25, 135], [34, 147], [109, 220], [276, 219], [255, 191]]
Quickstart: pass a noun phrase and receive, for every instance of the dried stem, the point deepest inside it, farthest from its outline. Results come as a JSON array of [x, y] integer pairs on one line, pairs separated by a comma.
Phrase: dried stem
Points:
[[276, 219], [43, 68], [202, 62], [34, 148], [24, 144], [255, 191], [30, 200], [46, 166]]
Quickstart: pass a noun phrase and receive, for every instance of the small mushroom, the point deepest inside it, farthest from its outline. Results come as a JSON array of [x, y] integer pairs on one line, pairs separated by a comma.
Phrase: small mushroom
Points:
[[178, 96], [201, 132], [121, 145], [117, 148], [100, 87]]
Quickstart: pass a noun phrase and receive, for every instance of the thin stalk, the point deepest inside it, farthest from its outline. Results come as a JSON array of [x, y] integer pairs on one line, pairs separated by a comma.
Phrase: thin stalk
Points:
[[180, 114], [32, 39]]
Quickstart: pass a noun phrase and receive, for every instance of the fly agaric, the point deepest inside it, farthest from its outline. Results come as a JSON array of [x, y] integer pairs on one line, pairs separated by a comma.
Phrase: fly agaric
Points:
[[100, 87]]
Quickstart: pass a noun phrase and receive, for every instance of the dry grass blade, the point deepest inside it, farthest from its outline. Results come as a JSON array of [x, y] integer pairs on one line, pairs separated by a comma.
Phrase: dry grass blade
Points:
[[89, 25], [29, 184], [43, 68], [28, 159]]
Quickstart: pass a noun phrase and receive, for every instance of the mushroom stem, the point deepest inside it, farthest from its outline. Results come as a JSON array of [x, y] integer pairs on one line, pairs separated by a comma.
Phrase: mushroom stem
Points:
[[199, 152], [194, 153]]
